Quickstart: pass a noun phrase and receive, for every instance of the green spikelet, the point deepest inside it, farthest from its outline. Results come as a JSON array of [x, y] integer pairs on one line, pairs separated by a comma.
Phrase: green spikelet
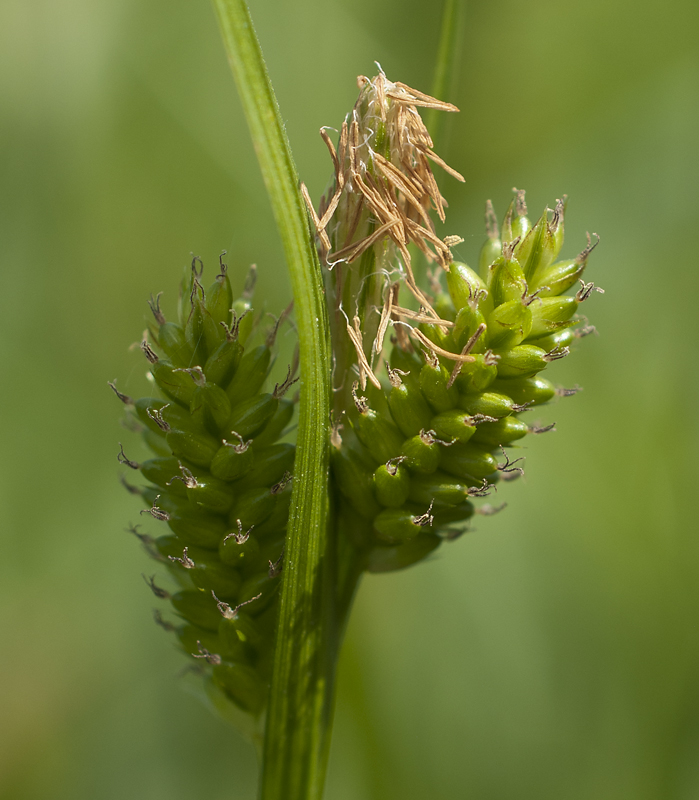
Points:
[[218, 484], [418, 447], [457, 393]]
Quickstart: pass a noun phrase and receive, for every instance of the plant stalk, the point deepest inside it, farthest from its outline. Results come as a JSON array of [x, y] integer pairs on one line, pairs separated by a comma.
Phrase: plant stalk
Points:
[[299, 715], [446, 65]]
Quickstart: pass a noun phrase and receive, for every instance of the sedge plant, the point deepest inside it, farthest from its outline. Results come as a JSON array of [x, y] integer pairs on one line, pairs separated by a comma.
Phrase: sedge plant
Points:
[[269, 500]]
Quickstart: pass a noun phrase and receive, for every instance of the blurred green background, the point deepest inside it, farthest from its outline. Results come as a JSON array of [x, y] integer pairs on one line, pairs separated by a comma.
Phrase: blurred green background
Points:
[[551, 653]]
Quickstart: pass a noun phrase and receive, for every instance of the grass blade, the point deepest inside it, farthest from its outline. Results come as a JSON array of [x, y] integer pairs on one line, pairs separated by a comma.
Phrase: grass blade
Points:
[[298, 718]]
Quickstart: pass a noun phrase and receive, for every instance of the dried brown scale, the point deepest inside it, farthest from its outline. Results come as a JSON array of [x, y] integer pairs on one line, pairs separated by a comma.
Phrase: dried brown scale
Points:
[[396, 191]]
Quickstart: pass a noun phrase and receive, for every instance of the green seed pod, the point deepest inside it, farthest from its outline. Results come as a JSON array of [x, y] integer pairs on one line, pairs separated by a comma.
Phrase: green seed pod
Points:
[[203, 568], [161, 500], [170, 545], [214, 334], [396, 525], [507, 235], [221, 365], [558, 342], [200, 448], [250, 416], [232, 460], [275, 427], [354, 475], [507, 282], [551, 314], [261, 583], [454, 425], [409, 364], [391, 484], [161, 471], [271, 464], [438, 488], [208, 493], [240, 628], [434, 383], [376, 432], [421, 453], [174, 344], [197, 528], [537, 249], [558, 226], [377, 400], [192, 636], [244, 319], [465, 286], [275, 524], [558, 277], [388, 558], [176, 383], [468, 461], [437, 334], [477, 375], [508, 325], [210, 575], [271, 552], [230, 648], [448, 515], [239, 549], [524, 361], [489, 404], [160, 416], [521, 224], [252, 507], [219, 297], [250, 375], [492, 249], [468, 321], [156, 443], [212, 402], [444, 306], [194, 328], [199, 608], [533, 390], [408, 407], [502, 432], [242, 685]]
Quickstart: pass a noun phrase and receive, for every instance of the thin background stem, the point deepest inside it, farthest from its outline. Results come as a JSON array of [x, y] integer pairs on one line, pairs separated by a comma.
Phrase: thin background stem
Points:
[[447, 64], [300, 703]]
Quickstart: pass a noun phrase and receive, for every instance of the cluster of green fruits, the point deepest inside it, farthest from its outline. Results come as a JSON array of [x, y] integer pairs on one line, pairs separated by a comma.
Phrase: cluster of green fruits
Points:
[[220, 479], [417, 451], [406, 463]]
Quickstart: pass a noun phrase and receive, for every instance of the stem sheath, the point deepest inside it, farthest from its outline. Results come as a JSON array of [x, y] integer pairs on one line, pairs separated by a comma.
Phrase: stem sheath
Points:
[[447, 63]]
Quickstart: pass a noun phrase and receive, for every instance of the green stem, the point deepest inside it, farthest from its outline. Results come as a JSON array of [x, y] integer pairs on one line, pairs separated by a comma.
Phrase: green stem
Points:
[[300, 705], [449, 50]]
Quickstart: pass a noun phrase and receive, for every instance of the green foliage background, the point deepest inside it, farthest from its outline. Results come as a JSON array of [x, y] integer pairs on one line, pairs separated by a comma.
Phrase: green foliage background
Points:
[[552, 653]]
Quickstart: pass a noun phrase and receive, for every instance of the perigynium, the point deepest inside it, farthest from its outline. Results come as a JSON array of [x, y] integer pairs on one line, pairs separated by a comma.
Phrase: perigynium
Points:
[[433, 383]]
